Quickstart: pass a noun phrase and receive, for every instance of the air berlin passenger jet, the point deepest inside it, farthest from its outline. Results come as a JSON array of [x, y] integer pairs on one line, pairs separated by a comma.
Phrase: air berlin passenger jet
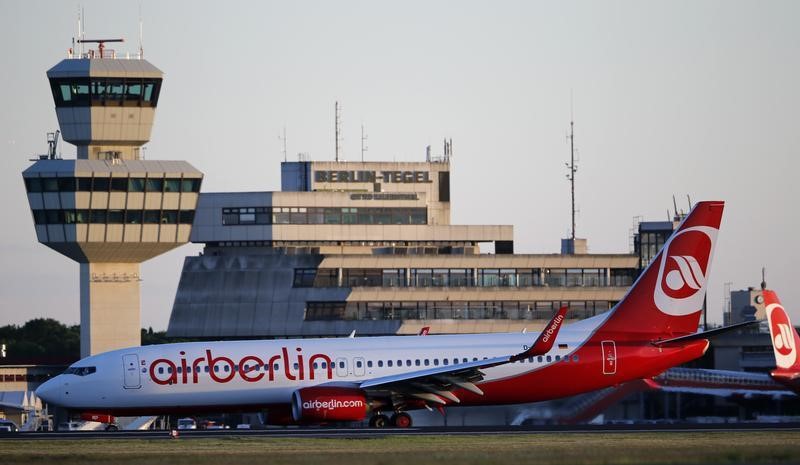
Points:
[[312, 381], [785, 341]]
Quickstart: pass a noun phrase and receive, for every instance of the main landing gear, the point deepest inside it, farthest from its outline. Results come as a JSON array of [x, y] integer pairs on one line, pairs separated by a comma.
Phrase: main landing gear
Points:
[[401, 420], [398, 420], [379, 421]]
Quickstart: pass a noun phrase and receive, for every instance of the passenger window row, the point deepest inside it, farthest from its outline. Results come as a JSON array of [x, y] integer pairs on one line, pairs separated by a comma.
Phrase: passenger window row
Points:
[[358, 363]]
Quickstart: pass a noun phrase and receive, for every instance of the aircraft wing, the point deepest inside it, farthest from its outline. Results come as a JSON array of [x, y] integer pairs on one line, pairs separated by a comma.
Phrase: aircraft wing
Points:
[[435, 385]]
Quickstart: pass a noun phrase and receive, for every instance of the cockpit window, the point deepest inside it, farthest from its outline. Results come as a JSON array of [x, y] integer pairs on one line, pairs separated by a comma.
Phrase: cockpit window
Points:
[[80, 371]]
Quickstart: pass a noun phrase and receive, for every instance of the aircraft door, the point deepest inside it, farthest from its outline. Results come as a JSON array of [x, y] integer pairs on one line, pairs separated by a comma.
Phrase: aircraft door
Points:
[[609, 357], [130, 367], [341, 367], [358, 366]]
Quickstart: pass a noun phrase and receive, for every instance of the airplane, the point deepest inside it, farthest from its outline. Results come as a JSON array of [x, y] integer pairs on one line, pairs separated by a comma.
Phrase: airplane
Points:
[[785, 341], [326, 380]]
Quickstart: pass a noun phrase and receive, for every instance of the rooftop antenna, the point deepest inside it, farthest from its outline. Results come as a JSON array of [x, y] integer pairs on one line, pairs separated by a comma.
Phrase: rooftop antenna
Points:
[[283, 141], [78, 35], [763, 278], [52, 144], [572, 168], [338, 123], [72, 50], [689, 198], [141, 48], [82, 32], [675, 206], [364, 138]]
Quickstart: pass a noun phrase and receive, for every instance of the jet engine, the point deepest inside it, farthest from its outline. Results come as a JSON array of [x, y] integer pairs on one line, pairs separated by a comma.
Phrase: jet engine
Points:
[[323, 404]]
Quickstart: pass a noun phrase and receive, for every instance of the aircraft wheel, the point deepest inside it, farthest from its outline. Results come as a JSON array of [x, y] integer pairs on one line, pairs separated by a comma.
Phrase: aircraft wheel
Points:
[[112, 428], [401, 420], [379, 421]]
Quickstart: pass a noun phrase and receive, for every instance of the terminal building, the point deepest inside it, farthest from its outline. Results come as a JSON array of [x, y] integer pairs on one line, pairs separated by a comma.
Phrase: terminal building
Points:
[[369, 247]]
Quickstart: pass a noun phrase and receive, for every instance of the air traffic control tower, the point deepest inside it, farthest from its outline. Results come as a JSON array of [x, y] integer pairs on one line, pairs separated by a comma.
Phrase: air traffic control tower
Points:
[[109, 209]]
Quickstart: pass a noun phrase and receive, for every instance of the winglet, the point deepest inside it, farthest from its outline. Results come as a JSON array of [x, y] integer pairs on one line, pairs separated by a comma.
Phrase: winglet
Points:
[[546, 338], [424, 331]]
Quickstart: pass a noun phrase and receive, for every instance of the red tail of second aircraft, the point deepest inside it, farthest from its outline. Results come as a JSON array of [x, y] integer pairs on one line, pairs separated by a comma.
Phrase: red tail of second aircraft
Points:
[[785, 342], [667, 299]]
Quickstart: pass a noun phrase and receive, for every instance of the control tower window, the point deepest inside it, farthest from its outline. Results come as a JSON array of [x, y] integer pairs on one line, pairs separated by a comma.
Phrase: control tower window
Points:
[[169, 217], [115, 91], [186, 217], [133, 93], [49, 185], [154, 185], [101, 184], [119, 184], [33, 184], [97, 216], [152, 216], [190, 185], [83, 184], [133, 217], [69, 92], [66, 184], [172, 185], [151, 90], [136, 185], [116, 216]]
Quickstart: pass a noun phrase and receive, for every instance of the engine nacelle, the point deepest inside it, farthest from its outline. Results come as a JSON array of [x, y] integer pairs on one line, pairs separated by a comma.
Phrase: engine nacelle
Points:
[[322, 404]]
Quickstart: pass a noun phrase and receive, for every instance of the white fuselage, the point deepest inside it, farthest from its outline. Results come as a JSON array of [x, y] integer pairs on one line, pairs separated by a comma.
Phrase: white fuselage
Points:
[[252, 373]]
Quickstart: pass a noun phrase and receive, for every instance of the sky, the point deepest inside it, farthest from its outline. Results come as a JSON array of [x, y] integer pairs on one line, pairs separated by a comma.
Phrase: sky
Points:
[[683, 98]]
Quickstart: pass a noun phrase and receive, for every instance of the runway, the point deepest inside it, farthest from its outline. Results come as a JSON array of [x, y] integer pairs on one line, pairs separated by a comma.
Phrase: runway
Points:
[[366, 433]]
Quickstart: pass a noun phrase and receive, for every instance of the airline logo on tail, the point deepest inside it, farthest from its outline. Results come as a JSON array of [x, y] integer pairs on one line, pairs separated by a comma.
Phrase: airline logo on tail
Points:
[[782, 336], [683, 271]]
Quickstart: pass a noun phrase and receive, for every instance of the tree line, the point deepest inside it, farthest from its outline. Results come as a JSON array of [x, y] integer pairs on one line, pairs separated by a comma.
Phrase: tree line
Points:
[[45, 341]]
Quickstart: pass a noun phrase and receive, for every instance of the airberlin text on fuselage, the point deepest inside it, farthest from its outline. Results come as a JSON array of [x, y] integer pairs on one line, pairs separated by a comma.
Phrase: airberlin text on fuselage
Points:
[[245, 367]]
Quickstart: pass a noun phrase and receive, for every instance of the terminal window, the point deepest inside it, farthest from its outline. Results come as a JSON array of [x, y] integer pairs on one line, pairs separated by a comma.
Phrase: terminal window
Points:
[[232, 216], [482, 277], [452, 310]]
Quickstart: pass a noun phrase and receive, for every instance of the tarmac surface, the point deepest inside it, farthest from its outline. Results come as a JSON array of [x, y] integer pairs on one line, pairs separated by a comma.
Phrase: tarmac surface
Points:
[[354, 433]]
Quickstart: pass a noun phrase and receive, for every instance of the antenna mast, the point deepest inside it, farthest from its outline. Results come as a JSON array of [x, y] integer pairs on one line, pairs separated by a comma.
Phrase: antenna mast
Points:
[[141, 48], [363, 142], [283, 141], [572, 168], [338, 122]]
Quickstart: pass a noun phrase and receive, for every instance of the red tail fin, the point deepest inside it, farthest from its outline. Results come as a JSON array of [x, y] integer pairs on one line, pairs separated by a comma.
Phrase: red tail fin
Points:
[[785, 339], [667, 298]]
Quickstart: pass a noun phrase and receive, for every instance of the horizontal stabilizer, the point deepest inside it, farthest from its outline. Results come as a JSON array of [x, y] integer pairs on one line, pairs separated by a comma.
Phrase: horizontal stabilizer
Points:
[[704, 334]]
